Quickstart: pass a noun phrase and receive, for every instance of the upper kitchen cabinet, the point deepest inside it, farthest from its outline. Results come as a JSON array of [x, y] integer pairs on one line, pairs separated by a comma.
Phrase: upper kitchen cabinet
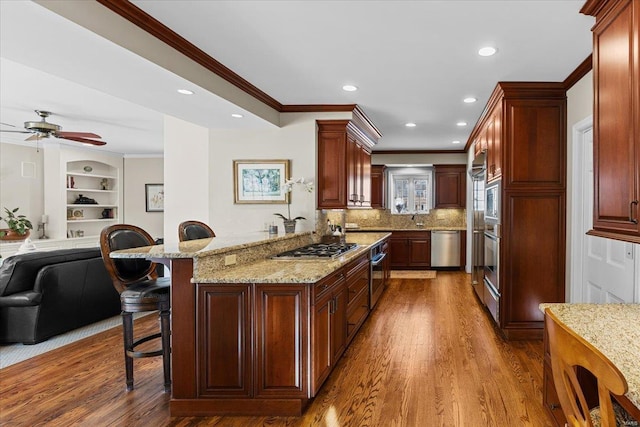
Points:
[[523, 130], [378, 187], [344, 162], [616, 135], [451, 184]]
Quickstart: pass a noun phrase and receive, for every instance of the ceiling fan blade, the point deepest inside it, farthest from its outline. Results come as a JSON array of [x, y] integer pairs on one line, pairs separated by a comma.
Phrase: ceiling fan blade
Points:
[[83, 140], [16, 131], [7, 124], [77, 134]]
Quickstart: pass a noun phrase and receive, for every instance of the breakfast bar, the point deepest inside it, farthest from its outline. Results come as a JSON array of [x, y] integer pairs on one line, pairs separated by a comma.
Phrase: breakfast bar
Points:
[[614, 329], [253, 334]]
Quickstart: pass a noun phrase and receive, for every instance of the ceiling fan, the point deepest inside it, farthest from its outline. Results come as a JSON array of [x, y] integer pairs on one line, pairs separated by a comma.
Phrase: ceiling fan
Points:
[[44, 129]]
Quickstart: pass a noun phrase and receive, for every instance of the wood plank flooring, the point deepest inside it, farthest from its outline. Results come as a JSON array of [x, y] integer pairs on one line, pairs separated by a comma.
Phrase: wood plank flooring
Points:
[[427, 356]]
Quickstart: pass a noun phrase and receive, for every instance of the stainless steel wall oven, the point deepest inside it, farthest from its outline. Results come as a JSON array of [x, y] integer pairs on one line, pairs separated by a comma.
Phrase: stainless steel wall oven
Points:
[[492, 230]]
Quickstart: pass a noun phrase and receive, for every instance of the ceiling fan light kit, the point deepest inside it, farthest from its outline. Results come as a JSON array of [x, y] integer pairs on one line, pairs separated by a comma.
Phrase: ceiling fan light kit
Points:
[[43, 129]]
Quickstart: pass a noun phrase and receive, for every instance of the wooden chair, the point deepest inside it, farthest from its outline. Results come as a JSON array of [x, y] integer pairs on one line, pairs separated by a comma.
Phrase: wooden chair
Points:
[[192, 230], [140, 290], [569, 350]]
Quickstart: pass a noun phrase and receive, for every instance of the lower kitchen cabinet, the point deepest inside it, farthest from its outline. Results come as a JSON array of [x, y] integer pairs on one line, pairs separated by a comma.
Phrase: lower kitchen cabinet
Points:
[[329, 326], [410, 249], [270, 346], [358, 273]]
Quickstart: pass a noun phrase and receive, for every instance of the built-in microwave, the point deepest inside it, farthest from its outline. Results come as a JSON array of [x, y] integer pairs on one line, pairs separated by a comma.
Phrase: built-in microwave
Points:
[[492, 202]]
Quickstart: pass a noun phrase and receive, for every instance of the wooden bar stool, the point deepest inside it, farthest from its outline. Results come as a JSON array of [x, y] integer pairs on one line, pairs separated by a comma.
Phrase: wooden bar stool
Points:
[[192, 230], [140, 290], [569, 350]]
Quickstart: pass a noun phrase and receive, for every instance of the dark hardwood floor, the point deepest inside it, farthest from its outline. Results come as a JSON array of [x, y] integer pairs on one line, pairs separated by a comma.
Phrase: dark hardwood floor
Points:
[[427, 356]]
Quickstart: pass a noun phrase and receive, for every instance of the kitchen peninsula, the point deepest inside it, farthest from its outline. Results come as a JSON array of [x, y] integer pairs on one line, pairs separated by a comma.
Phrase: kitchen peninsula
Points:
[[259, 337]]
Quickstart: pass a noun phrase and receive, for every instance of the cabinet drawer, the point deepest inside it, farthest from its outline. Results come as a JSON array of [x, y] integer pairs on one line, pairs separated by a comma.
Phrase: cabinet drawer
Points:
[[354, 267], [550, 398], [357, 313], [357, 285], [326, 285]]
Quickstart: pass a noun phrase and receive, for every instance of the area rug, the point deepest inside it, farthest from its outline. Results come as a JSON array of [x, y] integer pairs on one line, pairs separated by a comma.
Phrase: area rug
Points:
[[413, 274], [14, 353]]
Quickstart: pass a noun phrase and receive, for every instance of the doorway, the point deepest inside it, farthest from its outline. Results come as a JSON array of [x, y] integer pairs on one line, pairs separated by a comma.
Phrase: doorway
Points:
[[602, 270]]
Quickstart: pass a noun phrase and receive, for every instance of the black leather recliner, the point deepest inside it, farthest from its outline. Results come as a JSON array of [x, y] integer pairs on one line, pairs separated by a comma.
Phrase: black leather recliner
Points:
[[47, 293]]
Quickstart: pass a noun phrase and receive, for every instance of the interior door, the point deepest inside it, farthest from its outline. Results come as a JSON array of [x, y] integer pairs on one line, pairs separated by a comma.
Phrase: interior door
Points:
[[607, 265]]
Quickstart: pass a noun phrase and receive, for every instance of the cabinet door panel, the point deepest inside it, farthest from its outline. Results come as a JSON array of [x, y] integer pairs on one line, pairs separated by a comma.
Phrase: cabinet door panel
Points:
[[224, 362], [339, 324], [536, 151], [533, 254], [378, 187], [332, 178], [616, 152], [321, 341], [280, 340], [420, 252], [400, 252]]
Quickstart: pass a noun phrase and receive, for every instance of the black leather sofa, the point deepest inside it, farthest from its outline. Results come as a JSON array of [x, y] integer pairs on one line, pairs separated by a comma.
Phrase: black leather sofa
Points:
[[43, 294]]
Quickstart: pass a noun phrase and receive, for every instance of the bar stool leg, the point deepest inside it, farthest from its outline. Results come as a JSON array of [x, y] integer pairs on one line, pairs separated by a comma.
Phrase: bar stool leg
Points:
[[165, 330], [127, 326]]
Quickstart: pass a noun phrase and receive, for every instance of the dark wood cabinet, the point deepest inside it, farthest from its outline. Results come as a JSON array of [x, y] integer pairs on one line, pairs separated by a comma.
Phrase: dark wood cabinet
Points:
[[328, 326], [378, 187], [410, 250], [344, 162], [451, 186], [227, 364], [280, 351], [524, 129], [357, 295], [616, 133]]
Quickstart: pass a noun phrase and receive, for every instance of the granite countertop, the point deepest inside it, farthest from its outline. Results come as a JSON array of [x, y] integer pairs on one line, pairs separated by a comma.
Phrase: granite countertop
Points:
[[207, 247], [614, 329], [207, 252], [289, 271]]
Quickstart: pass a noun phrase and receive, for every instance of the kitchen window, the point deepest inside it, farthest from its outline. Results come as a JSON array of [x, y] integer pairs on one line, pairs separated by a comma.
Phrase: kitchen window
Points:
[[411, 190]]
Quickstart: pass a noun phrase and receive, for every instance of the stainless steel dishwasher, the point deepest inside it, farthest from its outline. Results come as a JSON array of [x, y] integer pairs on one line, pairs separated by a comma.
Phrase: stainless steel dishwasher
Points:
[[445, 248]]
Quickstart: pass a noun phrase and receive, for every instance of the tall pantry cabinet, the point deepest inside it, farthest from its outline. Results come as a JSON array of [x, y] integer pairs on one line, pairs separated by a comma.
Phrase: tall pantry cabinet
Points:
[[616, 129], [523, 132]]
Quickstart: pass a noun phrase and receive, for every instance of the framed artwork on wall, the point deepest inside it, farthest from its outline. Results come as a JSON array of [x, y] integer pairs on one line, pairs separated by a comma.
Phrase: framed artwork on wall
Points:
[[260, 181], [154, 197]]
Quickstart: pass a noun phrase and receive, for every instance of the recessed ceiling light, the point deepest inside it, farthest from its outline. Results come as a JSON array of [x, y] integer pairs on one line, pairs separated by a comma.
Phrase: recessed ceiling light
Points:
[[487, 51], [469, 100], [185, 91], [349, 88], [461, 123], [237, 116], [410, 125], [455, 142]]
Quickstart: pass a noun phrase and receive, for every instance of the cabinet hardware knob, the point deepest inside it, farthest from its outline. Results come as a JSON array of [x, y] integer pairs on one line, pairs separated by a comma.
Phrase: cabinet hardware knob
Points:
[[554, 406], [631, 218]]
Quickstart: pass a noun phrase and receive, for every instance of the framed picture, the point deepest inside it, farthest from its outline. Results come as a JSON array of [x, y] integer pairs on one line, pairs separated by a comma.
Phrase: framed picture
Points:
[[154, 197], [260, 181]]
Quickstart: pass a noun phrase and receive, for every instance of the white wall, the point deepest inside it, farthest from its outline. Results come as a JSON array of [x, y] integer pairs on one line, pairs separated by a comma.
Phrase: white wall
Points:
[[294, 140], [21, 181], [186, 175], [579, 107], [138, 172]]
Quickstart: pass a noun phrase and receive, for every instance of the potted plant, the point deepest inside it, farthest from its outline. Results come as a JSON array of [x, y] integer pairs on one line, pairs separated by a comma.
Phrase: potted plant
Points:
[[290, 223], [19, 226]]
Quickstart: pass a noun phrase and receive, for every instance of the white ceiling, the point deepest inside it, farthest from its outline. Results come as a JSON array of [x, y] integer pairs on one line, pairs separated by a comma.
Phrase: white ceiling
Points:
[[412, 61]]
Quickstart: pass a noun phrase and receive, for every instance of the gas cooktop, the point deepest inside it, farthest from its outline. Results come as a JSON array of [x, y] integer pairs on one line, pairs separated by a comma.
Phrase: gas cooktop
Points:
[[318, 250]]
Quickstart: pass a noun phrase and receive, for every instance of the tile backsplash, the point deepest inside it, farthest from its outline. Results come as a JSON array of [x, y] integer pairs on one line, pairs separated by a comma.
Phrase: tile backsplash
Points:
[[383, 218]]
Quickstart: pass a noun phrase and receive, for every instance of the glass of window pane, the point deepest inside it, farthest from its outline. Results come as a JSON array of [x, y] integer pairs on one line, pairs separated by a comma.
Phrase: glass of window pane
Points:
[[401, 195], [420, 195]]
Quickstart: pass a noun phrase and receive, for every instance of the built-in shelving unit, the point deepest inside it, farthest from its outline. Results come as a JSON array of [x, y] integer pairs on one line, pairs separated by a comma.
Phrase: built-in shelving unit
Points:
[[97, 185]]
